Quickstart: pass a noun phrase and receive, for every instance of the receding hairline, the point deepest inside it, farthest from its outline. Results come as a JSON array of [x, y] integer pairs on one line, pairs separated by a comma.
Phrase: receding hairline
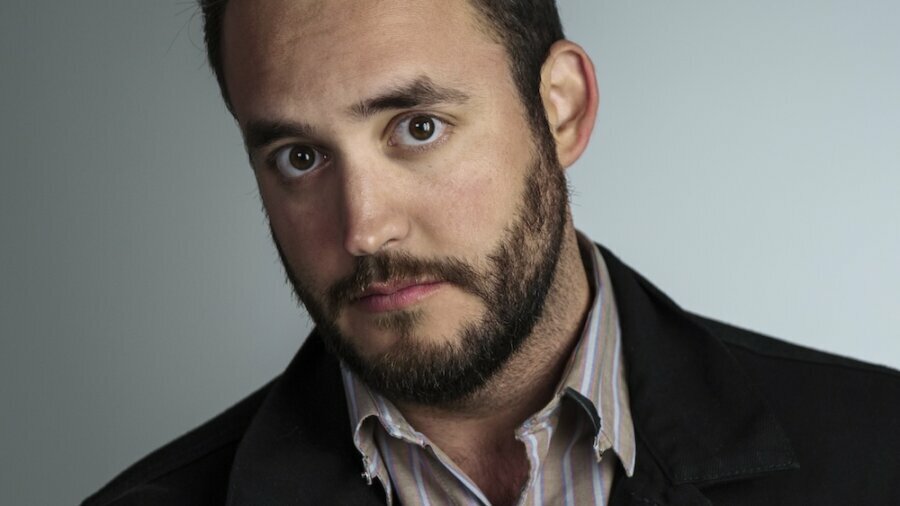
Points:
[[477, 16]]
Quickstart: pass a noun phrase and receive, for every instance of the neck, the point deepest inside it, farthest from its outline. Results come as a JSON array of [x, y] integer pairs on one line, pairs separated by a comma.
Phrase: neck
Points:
[[527, 382]]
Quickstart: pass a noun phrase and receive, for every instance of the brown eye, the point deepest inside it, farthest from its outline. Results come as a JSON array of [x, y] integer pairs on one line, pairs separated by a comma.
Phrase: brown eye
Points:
[[302, 158], [421, 128], [419, 132], [296, 160]]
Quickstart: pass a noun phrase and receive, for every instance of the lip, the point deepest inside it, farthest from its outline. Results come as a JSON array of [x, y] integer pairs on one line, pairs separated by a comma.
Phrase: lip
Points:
[[383, 297]]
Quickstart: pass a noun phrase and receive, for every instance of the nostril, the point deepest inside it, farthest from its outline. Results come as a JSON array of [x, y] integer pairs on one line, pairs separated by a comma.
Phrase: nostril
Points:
[[373, 235]]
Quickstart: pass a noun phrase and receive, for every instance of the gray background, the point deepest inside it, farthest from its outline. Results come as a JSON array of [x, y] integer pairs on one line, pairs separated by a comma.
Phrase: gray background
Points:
[[745, 161]]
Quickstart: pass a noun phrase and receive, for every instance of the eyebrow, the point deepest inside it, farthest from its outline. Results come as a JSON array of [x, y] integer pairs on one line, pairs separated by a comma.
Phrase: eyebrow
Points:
[[260, 133], [420, 92]]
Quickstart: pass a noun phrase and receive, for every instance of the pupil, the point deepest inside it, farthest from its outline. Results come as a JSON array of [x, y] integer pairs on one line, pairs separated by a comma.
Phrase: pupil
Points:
[[303, 157], [421, 128]]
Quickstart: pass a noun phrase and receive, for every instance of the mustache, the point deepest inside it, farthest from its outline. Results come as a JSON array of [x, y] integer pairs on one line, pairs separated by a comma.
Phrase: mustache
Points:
[[389, 267]]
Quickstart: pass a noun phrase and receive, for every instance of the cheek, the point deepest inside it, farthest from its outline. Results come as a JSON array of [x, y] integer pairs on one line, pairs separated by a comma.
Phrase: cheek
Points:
[[304, 228], [479, 191], [471, 208]]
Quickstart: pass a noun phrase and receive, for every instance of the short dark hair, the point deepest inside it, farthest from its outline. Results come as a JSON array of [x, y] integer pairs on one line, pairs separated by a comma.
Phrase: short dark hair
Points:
[[526, 28]]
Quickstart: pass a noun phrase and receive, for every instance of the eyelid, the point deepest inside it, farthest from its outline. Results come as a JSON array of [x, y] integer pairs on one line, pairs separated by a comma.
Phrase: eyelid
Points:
[[445, 130], [268, 155], [269, 152], [271, 160]]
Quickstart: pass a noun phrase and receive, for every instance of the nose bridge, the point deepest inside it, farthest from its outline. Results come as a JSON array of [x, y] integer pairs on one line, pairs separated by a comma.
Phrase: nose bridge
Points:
[[373, 217]]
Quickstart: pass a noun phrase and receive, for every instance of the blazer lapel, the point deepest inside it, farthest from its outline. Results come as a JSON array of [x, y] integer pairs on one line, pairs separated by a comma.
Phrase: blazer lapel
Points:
[[650, 486], [298, 449]]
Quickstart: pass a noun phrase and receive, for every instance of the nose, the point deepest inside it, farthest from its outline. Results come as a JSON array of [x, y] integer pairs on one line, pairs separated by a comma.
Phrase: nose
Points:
[[374, 216]]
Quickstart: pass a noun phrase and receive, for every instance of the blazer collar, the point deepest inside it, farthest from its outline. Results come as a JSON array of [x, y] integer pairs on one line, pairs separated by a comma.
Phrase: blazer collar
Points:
[[297, 449], [697, 417]]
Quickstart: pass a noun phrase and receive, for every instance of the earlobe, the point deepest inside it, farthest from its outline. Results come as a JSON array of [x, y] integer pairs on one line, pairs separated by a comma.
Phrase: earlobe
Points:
[[570, 96]]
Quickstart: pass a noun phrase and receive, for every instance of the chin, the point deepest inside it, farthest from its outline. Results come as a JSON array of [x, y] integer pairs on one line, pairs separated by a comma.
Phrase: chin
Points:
[[386, 333]]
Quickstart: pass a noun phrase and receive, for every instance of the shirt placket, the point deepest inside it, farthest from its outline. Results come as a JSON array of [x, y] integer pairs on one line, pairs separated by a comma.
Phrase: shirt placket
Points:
[[536, 434]]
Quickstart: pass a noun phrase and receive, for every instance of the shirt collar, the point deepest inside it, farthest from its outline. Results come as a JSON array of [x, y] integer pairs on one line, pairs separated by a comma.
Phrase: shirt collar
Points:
[[594, 379], [365, 407], [595, 375]]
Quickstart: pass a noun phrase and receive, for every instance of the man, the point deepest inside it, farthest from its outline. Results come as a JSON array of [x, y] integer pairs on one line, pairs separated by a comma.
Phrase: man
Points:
[[471, 346]]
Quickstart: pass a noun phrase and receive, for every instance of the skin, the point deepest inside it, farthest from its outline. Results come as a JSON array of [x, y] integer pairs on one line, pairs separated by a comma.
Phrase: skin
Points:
[[308, 62]]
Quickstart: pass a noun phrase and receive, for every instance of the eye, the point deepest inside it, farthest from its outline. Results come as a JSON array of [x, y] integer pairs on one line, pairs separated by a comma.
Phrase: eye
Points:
[[417, 130], [297, 159]]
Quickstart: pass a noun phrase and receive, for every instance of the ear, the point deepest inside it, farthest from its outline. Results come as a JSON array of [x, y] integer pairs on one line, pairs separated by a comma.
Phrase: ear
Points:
[[570, 96]]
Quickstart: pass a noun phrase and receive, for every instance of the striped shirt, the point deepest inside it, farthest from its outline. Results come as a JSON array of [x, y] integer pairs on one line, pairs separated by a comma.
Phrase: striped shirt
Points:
[[574, 444]]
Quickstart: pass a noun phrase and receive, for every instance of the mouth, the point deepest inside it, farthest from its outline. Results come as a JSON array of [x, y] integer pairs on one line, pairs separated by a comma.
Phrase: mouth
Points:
[[395, 295]]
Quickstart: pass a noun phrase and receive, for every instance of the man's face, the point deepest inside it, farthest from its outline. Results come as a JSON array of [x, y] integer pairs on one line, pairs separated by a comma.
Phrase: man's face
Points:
[[416, 216]]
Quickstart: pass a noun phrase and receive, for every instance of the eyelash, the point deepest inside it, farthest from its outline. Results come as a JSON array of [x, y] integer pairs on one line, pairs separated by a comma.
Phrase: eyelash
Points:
[[446, 130], [444, 133]]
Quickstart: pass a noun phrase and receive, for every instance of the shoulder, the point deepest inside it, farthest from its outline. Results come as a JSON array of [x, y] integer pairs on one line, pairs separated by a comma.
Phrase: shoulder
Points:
[[769, 348], [192, 469], [810, 371], [834, 409], [268, 433], [804, 376]]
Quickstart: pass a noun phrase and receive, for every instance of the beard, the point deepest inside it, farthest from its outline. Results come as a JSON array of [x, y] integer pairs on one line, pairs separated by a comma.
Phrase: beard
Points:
[[513, 290]]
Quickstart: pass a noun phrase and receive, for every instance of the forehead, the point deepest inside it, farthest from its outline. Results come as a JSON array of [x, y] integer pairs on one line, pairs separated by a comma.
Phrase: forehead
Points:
[[281, 54]]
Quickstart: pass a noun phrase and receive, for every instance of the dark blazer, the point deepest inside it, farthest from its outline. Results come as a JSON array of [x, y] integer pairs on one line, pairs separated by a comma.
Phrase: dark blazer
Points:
[[722, 416]]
